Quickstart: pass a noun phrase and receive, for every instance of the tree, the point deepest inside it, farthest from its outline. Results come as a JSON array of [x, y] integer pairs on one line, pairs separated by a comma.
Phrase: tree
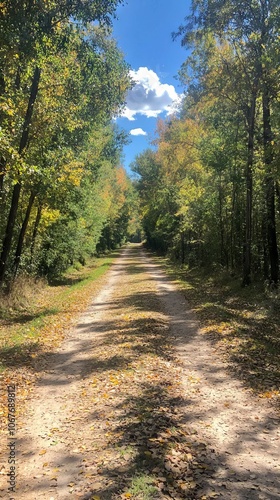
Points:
[[252, 29], [31, 34], [79, 82]]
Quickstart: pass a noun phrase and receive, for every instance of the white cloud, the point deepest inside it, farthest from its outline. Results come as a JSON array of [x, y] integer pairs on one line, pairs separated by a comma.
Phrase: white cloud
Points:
[[149, 96], [138, 131]]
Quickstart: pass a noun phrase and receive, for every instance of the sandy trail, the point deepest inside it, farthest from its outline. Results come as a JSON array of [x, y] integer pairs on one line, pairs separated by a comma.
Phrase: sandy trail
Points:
[[63, 435], [241, 431]]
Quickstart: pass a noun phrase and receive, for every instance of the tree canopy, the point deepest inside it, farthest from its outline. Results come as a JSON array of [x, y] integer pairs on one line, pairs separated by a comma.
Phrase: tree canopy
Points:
[[62, 80], [214, 172]]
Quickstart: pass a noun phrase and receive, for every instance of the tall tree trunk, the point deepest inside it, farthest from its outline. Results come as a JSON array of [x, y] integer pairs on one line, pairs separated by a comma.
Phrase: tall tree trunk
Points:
[[182, 234], [3, 161], [29, 111], [270, 188], [247, 255], [2, 174], [265, 253], [9, 231], [35, 231], [221, 224], [232, 219], [7, 243], [23, 232], [232, 236], [277, 188]]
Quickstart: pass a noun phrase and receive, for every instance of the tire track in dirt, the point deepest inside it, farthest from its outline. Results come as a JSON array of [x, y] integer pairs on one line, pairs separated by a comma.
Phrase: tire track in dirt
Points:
[[136, 393], [241, 432]]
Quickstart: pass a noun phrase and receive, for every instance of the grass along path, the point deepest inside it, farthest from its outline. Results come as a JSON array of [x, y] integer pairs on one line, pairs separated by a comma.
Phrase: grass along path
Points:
[[38, 322]]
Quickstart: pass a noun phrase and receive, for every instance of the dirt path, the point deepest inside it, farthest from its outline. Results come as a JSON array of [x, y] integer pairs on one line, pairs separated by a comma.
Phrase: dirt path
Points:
[[136, 404]]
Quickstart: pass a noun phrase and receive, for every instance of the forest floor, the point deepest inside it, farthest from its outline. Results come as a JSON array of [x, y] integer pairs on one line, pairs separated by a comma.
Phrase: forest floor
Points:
[[149, 395]]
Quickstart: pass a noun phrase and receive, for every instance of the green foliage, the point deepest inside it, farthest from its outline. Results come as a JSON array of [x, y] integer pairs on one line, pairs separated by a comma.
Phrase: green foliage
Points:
[[218, 159], [61, 83]]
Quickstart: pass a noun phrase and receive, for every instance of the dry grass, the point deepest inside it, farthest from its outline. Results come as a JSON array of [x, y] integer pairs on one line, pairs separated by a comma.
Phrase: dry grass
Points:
[[22, 296]]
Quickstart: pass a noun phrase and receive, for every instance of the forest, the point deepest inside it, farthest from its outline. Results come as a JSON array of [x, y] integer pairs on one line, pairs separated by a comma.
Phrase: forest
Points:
[[139, 312], [208, 188], [64, 194]]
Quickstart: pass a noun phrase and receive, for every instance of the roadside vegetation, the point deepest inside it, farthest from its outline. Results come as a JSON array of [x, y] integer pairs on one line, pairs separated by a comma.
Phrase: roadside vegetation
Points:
[[209, 189], [241, 323], [64, 195], [35, 318]]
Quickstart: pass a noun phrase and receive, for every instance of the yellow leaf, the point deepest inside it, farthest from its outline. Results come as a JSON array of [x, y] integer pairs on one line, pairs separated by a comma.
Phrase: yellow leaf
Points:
[[267, 394], [42, 452]]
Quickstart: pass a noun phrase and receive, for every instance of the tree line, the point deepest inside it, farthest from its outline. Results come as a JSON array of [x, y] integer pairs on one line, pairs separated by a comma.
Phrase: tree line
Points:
[[209, 189], [63, 192]]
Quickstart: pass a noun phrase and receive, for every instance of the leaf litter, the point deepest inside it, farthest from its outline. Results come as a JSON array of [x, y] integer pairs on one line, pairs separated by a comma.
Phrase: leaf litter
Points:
[[120, 425]]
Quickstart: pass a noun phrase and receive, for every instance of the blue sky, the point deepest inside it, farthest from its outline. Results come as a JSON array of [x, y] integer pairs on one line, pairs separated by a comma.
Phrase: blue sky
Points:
[[143, 32]]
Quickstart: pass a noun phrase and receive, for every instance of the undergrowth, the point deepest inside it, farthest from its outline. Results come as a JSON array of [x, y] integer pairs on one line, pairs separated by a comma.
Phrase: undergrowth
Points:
[[22, 295], [35, 315]]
